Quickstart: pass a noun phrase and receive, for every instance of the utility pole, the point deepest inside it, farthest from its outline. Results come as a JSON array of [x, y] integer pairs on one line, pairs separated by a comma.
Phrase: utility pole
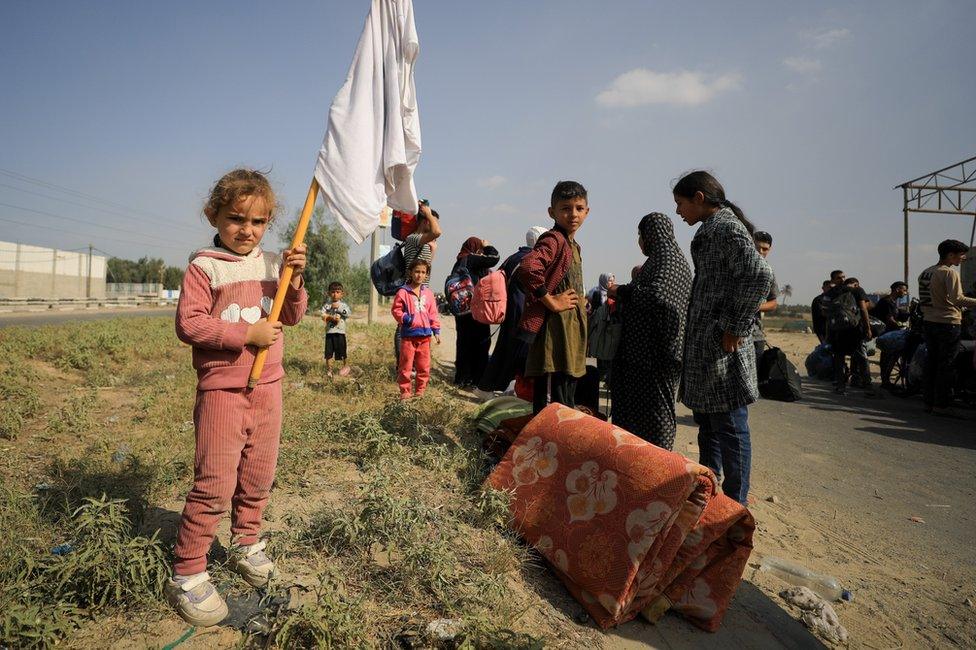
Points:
[[374, 250], [54, 274], [88, 286], [17, 272]]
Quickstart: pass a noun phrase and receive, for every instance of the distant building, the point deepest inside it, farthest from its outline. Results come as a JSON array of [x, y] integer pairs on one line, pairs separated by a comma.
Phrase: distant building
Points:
[[36, 272]]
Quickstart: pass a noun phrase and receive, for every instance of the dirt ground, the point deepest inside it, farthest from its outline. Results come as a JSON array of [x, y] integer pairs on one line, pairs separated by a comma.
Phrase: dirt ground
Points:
[[876, 493], [871, 491]]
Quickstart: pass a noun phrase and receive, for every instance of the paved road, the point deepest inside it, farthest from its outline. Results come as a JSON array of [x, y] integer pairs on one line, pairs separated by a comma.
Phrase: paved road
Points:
[[57, 316]]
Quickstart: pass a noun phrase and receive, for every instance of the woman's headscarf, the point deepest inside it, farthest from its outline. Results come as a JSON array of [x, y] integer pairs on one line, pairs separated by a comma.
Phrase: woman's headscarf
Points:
[[470, 246], [600, 290], [532, 236]]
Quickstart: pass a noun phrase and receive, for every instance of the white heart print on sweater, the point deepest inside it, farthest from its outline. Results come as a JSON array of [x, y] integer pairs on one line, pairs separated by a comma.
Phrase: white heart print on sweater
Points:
[[251, 314], [266, 303], [232, 314]]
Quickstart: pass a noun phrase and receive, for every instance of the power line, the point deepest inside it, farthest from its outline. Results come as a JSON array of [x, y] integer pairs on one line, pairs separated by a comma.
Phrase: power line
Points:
[[115, 239], [68, 190], [168, 224], [83, 221]]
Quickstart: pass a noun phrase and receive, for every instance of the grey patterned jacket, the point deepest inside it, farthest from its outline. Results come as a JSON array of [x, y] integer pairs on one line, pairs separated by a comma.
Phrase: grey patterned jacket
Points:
[[731, 281]]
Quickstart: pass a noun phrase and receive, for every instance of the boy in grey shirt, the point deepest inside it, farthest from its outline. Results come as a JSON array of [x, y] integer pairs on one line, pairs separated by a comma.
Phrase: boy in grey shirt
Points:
[[334, 314]]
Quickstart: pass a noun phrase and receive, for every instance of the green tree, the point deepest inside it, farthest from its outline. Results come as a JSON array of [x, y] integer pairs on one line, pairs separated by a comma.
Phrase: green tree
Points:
[[120, 270], [172, 277], [328, 260], [145, 270]]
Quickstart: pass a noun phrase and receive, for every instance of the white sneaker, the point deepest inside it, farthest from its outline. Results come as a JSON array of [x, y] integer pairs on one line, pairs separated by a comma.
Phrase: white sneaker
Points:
[[251, 563], [196, 599]]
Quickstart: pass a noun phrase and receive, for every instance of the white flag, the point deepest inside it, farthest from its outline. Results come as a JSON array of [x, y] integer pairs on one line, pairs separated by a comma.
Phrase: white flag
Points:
[[372, 140]]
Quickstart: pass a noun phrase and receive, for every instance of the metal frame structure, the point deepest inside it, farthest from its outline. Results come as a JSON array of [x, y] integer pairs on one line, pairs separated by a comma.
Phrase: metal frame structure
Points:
[[950, 190]]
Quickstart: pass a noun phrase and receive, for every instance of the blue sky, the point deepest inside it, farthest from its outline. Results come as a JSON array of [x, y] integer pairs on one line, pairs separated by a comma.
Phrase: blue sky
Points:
[[809, 114]]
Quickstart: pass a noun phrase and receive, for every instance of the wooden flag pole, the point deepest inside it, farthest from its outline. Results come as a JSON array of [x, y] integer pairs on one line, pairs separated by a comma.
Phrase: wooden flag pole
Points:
[[285, 280]]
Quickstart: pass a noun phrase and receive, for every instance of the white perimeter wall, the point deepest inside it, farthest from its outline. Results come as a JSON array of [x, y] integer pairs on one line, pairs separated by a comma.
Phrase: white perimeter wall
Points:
[[37, 272]]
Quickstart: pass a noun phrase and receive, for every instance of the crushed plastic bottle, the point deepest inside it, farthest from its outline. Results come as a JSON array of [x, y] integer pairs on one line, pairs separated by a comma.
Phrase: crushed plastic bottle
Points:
[[62, 549], [795, 574]]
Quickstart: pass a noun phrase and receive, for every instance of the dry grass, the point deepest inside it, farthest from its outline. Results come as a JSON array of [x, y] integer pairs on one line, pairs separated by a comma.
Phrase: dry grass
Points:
[[377, 517]]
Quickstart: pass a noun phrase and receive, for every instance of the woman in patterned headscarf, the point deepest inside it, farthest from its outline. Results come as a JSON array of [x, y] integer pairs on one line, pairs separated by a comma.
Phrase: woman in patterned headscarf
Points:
[[647, 367]]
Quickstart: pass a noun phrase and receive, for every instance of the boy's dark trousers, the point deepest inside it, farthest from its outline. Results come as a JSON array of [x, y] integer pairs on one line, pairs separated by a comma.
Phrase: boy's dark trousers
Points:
[[562, 387], [942, 345], [844, 343]]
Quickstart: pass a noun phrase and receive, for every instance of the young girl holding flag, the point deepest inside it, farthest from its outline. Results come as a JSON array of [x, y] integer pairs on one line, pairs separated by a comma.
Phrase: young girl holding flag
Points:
[[226, 297]]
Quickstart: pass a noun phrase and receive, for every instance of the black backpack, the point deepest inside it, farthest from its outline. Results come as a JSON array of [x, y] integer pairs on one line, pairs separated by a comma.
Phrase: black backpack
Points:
[[388, 272], [843, 312], [778, 378]]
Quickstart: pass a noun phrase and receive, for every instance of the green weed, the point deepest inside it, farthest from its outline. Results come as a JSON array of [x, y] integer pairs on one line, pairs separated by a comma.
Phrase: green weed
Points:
[[74, 416], [107, 565], [102, 564], [328, 622], [37, 625], [414, 538], [19, 401]]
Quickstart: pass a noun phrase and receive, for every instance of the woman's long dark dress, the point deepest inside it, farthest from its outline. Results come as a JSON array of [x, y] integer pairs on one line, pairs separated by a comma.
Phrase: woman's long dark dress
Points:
[[647, 367], [473, 338]]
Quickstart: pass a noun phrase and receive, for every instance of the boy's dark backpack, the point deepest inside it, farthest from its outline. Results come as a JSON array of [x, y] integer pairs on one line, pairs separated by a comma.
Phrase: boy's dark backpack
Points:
[[778, 378], [458, 289], [843, 312], [388, 272]]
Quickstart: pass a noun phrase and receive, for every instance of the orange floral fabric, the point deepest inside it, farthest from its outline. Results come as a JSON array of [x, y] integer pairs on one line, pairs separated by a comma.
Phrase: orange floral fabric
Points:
[[622, 522]]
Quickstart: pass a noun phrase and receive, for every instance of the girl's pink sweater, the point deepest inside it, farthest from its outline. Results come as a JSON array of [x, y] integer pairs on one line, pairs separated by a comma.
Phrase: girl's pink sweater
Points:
[[222, 294], [417, 315]]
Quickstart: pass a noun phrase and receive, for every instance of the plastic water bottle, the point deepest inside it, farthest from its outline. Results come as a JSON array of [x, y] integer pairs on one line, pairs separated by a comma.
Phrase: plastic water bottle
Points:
[[827, 586]]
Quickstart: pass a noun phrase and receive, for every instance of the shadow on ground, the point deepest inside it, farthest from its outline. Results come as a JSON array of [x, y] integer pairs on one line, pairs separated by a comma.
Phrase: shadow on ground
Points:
[[894, 416], [752, 621]]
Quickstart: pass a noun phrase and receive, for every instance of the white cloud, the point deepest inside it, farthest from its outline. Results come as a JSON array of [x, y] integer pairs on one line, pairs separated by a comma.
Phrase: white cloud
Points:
[[504, 208], [641, 87], [802, 65], [491, 182], [821, 39]]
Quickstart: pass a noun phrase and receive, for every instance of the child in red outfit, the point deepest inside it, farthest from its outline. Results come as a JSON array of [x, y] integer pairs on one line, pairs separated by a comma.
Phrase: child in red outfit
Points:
[[415, 310], [227, 293]]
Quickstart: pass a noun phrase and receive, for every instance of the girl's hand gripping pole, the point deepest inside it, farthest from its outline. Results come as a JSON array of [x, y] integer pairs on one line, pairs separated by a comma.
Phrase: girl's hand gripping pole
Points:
[[285, 280]]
